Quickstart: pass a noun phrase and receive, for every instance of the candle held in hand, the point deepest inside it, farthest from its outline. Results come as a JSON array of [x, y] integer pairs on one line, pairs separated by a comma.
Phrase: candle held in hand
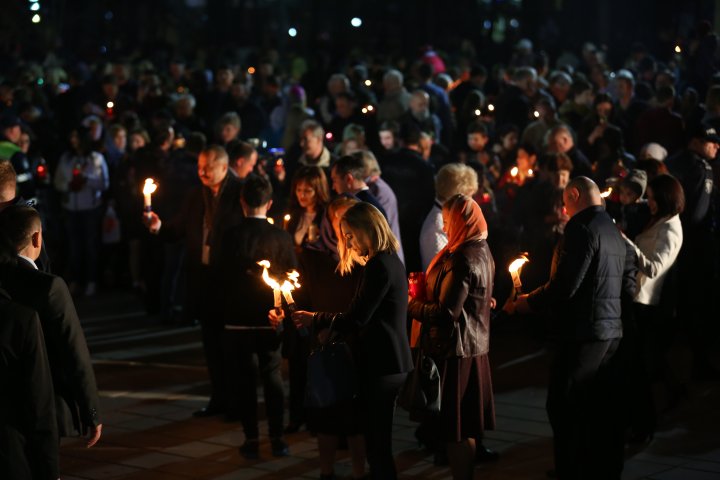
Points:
[[148, 189], [514, 269]]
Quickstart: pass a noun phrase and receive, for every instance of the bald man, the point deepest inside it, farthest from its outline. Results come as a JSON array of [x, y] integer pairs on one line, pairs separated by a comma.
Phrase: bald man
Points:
[[583, 299], [207, 213]]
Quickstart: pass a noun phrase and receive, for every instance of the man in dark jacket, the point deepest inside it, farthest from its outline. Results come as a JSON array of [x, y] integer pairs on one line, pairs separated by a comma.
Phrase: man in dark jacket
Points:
[[411, 179], [207, 213], [583, 294], [73, 379], [251, 346], [28, 431]]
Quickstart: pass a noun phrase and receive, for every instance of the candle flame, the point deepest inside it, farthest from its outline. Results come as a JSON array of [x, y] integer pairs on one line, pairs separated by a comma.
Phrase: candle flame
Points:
[[288, 285], [606, 193], [368, 83], [287, 217], [477, 112], [517, 264], [514, 171], [678, 49], [149, 187], [530, 173], [491, 107], [270, 221], [110, 104]]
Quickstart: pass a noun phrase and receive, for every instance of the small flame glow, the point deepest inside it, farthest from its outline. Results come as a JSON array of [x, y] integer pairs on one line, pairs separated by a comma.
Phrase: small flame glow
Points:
[[149, 187], [368, 83], [491, 107], [477, 112], [606, 193], [110, 104], [536, 114], [514, 171], [288, 285], [370, 108], [271, 221], [678, 49], [517, 264], [530, 172]]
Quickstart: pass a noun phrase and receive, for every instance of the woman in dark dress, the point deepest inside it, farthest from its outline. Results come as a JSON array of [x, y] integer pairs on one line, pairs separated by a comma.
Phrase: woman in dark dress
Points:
[[377, 317], [309, 198], [456, 317]]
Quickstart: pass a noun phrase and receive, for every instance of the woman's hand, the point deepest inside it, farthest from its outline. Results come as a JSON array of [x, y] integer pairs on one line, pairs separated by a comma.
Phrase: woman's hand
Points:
[[301, 318], [275, 317]]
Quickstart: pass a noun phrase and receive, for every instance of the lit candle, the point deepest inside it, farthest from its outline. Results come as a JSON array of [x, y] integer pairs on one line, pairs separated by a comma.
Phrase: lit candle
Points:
[[606, 193], [271, 221], [277, 294], [514, 269], [148, 189], [286, 220], [514, 171]]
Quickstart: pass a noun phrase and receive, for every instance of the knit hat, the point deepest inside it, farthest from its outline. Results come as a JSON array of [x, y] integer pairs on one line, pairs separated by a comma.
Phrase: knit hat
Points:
[[637, 181]]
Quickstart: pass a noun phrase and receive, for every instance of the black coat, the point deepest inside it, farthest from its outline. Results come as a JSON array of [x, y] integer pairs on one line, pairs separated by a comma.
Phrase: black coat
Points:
[[377, 318], [187, 225], [247, 299], [411, 179], [28, 430], [76, 398], [586, 279]]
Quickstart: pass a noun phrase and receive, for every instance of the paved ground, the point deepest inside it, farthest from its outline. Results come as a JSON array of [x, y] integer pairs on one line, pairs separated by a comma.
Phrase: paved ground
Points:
[[152, 378]]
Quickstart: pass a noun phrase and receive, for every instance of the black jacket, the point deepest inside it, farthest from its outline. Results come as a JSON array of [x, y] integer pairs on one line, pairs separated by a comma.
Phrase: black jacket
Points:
[[28, 431], [377, 317], [586, 279], [411, 179], [76, 398], [187, 225], [247, 299]]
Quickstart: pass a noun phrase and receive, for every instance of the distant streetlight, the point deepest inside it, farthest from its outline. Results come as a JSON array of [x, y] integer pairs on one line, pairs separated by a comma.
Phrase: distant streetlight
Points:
[[356, 22]]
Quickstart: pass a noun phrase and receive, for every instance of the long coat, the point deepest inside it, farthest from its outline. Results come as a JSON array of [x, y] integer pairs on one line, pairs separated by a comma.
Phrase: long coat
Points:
[[73, 379]]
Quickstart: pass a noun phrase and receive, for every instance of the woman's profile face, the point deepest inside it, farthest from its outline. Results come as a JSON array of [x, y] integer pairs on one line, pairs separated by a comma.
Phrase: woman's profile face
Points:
[[446, 221], [354, 240], [306, 195]]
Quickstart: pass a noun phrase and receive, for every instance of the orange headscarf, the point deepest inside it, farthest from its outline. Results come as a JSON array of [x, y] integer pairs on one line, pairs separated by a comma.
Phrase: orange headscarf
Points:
[[465, 222]]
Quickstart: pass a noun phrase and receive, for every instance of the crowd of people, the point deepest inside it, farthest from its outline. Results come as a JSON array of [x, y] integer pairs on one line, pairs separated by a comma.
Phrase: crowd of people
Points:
[[607, 179]]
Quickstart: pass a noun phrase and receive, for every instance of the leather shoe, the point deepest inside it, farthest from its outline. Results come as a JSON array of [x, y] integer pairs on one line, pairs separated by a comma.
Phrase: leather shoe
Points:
[[209, 411], [485, 455], [250, 449], [279, 447]]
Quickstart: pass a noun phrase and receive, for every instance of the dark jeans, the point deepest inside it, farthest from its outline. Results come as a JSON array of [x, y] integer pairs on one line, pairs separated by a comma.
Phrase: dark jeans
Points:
[[83, 236], [583, 409], [250, 356], [379, 397], [297, 376]]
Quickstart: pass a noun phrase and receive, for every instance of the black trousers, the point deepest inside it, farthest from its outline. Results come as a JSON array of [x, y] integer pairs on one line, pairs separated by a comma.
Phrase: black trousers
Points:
[[297, 375], [379, 395], [583, 408], [249, 357]]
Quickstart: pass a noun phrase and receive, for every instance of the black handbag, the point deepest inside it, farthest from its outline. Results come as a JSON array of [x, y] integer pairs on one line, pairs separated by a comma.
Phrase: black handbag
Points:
[[331, 377], [420, 395]]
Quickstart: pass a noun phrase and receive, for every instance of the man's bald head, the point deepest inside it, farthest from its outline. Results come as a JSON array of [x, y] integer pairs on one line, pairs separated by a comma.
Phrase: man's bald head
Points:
[[579, 194]]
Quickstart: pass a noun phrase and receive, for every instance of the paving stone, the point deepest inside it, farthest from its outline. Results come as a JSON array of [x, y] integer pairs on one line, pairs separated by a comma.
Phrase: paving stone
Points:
[[684, 474], [195, 449], [152, 460]]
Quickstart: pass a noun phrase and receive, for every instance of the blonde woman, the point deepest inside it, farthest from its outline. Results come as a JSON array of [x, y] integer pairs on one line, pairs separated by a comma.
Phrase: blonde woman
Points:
[[377, 316]]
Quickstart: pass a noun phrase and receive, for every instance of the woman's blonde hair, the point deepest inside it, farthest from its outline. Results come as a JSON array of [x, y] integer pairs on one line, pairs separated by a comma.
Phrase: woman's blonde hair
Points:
[[368, 222]]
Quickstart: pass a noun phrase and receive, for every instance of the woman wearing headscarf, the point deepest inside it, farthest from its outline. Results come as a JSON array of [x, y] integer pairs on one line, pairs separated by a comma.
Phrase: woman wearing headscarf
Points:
[[456, 321]]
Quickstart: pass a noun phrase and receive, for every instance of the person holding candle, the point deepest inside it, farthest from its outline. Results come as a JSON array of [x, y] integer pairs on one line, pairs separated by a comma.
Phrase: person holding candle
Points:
[[309, 199], [378, 316], [201, 221], [583, 295], [82, 177], [455, 314], [251, 346]]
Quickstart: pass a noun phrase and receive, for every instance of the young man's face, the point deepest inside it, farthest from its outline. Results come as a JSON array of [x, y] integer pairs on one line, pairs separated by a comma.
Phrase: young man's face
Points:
[[245, 166], [627, 195], [477, 141], [387, 139]]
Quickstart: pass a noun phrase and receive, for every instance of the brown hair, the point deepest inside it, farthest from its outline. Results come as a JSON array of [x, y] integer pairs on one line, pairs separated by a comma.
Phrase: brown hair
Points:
[[316, 178], [669, 196]]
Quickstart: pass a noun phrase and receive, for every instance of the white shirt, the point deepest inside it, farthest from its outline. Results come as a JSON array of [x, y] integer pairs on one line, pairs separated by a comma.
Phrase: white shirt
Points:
[[657, 249], [29, 260]]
